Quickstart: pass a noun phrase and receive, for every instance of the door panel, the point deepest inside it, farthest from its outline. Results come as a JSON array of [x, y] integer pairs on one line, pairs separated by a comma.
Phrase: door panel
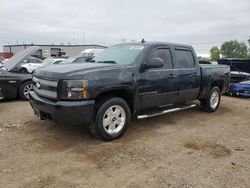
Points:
[[157, 87], [188, 74]]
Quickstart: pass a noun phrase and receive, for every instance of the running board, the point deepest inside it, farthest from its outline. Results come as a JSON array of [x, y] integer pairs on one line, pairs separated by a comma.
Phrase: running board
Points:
[[166, 111]]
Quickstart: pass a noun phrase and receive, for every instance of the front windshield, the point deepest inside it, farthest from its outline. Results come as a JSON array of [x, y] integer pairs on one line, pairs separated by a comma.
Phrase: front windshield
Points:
[[120, 54], [47, 61]]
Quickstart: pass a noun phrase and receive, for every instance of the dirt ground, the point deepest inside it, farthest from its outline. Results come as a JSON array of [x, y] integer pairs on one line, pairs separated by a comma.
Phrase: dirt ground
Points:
[[189, 148]]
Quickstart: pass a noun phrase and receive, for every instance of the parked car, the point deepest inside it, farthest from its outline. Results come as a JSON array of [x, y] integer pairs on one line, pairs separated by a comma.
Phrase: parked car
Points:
[[141, 79], [240, 89], [24, 64], [12, 82], [75, 59], [91, 53], [30, 67], [240, 68], [238, 76]]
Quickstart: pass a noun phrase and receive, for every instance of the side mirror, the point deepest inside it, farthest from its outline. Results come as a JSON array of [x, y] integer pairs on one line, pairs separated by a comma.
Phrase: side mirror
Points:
[[152, 63]]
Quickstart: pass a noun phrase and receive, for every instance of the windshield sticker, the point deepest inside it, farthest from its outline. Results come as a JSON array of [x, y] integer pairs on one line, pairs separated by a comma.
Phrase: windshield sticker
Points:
[[136, 47]]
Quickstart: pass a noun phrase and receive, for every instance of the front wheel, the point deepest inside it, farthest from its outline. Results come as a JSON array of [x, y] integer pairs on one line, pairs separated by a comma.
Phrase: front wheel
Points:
[[25, 89], [212, 102], [112, 119]]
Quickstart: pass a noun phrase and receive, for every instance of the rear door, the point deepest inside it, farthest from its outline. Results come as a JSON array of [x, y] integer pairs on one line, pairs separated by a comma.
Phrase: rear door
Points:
[[187, 71], [158, 86]]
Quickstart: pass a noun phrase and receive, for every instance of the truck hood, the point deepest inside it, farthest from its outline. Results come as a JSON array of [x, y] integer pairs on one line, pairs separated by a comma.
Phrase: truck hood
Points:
[[72, 71]]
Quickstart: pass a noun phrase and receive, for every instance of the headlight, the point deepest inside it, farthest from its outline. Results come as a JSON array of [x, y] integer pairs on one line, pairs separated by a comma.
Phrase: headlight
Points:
[[74, 89]]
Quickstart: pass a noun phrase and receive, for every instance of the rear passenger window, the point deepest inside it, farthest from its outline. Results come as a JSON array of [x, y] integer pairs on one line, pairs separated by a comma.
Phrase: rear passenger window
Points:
[[184, 59], [164, 54]]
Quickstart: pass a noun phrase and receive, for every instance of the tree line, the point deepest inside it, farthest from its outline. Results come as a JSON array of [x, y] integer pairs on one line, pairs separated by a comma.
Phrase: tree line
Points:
[[230, 49]]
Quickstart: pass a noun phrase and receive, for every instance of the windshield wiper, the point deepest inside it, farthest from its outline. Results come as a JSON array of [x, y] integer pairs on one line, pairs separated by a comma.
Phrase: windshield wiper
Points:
[[113, 62]]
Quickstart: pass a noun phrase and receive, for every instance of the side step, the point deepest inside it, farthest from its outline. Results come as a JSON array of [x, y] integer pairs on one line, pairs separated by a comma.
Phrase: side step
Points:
[[166, 111]]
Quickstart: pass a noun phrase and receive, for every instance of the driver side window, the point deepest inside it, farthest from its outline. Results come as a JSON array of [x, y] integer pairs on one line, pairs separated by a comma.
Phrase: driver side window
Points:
[[164, 54]]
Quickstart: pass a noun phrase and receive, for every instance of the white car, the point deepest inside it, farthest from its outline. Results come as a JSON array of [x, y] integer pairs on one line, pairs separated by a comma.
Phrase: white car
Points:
[[90, 53], [30, 67]]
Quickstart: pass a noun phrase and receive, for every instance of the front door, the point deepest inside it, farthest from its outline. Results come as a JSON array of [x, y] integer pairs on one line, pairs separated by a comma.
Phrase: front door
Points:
[[157, 87]]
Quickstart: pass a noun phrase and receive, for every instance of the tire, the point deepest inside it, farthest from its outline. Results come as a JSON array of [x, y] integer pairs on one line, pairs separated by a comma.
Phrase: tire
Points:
[[212, 102], [24, 90], [23, 71], [115, 113]]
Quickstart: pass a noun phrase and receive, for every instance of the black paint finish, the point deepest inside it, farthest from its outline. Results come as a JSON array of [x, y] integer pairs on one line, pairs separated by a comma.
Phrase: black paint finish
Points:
[[144, 89]]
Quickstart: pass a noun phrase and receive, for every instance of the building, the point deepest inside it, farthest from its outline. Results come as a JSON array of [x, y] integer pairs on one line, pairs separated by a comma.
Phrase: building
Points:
[[52, 50]]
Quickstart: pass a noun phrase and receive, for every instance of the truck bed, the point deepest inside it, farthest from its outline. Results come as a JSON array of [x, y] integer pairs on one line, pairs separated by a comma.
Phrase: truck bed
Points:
[[211, 73]]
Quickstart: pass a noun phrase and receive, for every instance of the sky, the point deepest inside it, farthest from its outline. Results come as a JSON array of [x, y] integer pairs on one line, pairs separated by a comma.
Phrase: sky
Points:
[[201, 23]]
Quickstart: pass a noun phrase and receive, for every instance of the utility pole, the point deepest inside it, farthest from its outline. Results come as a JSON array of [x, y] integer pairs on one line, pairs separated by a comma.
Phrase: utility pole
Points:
[[83, 39]]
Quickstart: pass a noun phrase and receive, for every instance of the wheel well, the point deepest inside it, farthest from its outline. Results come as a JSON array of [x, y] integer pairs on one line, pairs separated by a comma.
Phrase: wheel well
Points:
[[218, 83], [124, 94]]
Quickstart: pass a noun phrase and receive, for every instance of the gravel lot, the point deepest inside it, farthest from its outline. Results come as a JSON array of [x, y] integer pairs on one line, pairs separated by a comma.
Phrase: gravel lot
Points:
[[190, 148]]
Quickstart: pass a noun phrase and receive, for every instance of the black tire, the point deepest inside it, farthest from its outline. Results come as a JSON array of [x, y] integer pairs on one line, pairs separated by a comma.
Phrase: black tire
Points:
[[24, 71], [97, 127], [22, 90], [207, 105]]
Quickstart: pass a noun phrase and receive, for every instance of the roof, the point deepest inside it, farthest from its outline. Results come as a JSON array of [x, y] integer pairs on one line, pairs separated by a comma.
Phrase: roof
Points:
[[156, 43]]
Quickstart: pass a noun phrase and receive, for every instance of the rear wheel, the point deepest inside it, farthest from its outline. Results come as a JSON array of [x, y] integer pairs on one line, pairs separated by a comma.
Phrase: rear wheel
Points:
[[212, 102], [112, 119], [25, 89]]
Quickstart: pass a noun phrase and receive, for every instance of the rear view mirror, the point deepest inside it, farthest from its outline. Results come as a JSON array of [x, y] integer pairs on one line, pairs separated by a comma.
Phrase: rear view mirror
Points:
[[152, 63]]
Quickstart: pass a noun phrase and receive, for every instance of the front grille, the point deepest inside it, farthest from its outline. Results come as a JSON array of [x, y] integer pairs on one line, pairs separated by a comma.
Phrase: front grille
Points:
[[45, 88]]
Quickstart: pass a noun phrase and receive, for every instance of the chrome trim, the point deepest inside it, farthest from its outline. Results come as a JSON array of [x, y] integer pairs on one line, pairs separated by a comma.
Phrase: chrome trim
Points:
[[12, 81], [45, 82], [45, 93], [45, 88], [166, 111]]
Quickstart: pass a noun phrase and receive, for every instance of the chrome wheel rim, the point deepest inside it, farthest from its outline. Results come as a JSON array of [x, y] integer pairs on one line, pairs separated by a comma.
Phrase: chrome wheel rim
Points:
[[27, 89], [114, 119], [214, 99]]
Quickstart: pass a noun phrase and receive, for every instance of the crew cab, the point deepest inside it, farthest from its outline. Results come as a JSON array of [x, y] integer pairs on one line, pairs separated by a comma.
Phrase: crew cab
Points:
[[139, 79]]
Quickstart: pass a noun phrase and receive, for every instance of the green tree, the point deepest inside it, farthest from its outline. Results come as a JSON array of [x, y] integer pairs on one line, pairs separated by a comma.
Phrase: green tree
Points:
[[249, 45], [215, 53], [234, 49]]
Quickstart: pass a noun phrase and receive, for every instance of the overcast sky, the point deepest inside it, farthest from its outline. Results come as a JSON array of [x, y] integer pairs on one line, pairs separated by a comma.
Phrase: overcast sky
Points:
[[202, 23]]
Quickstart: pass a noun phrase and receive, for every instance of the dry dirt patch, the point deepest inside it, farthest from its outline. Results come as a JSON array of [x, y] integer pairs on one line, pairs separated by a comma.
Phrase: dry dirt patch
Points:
[[210, 147]]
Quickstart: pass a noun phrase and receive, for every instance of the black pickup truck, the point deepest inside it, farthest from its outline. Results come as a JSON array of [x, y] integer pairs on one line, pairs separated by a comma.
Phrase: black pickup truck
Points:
[[141, 79]]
